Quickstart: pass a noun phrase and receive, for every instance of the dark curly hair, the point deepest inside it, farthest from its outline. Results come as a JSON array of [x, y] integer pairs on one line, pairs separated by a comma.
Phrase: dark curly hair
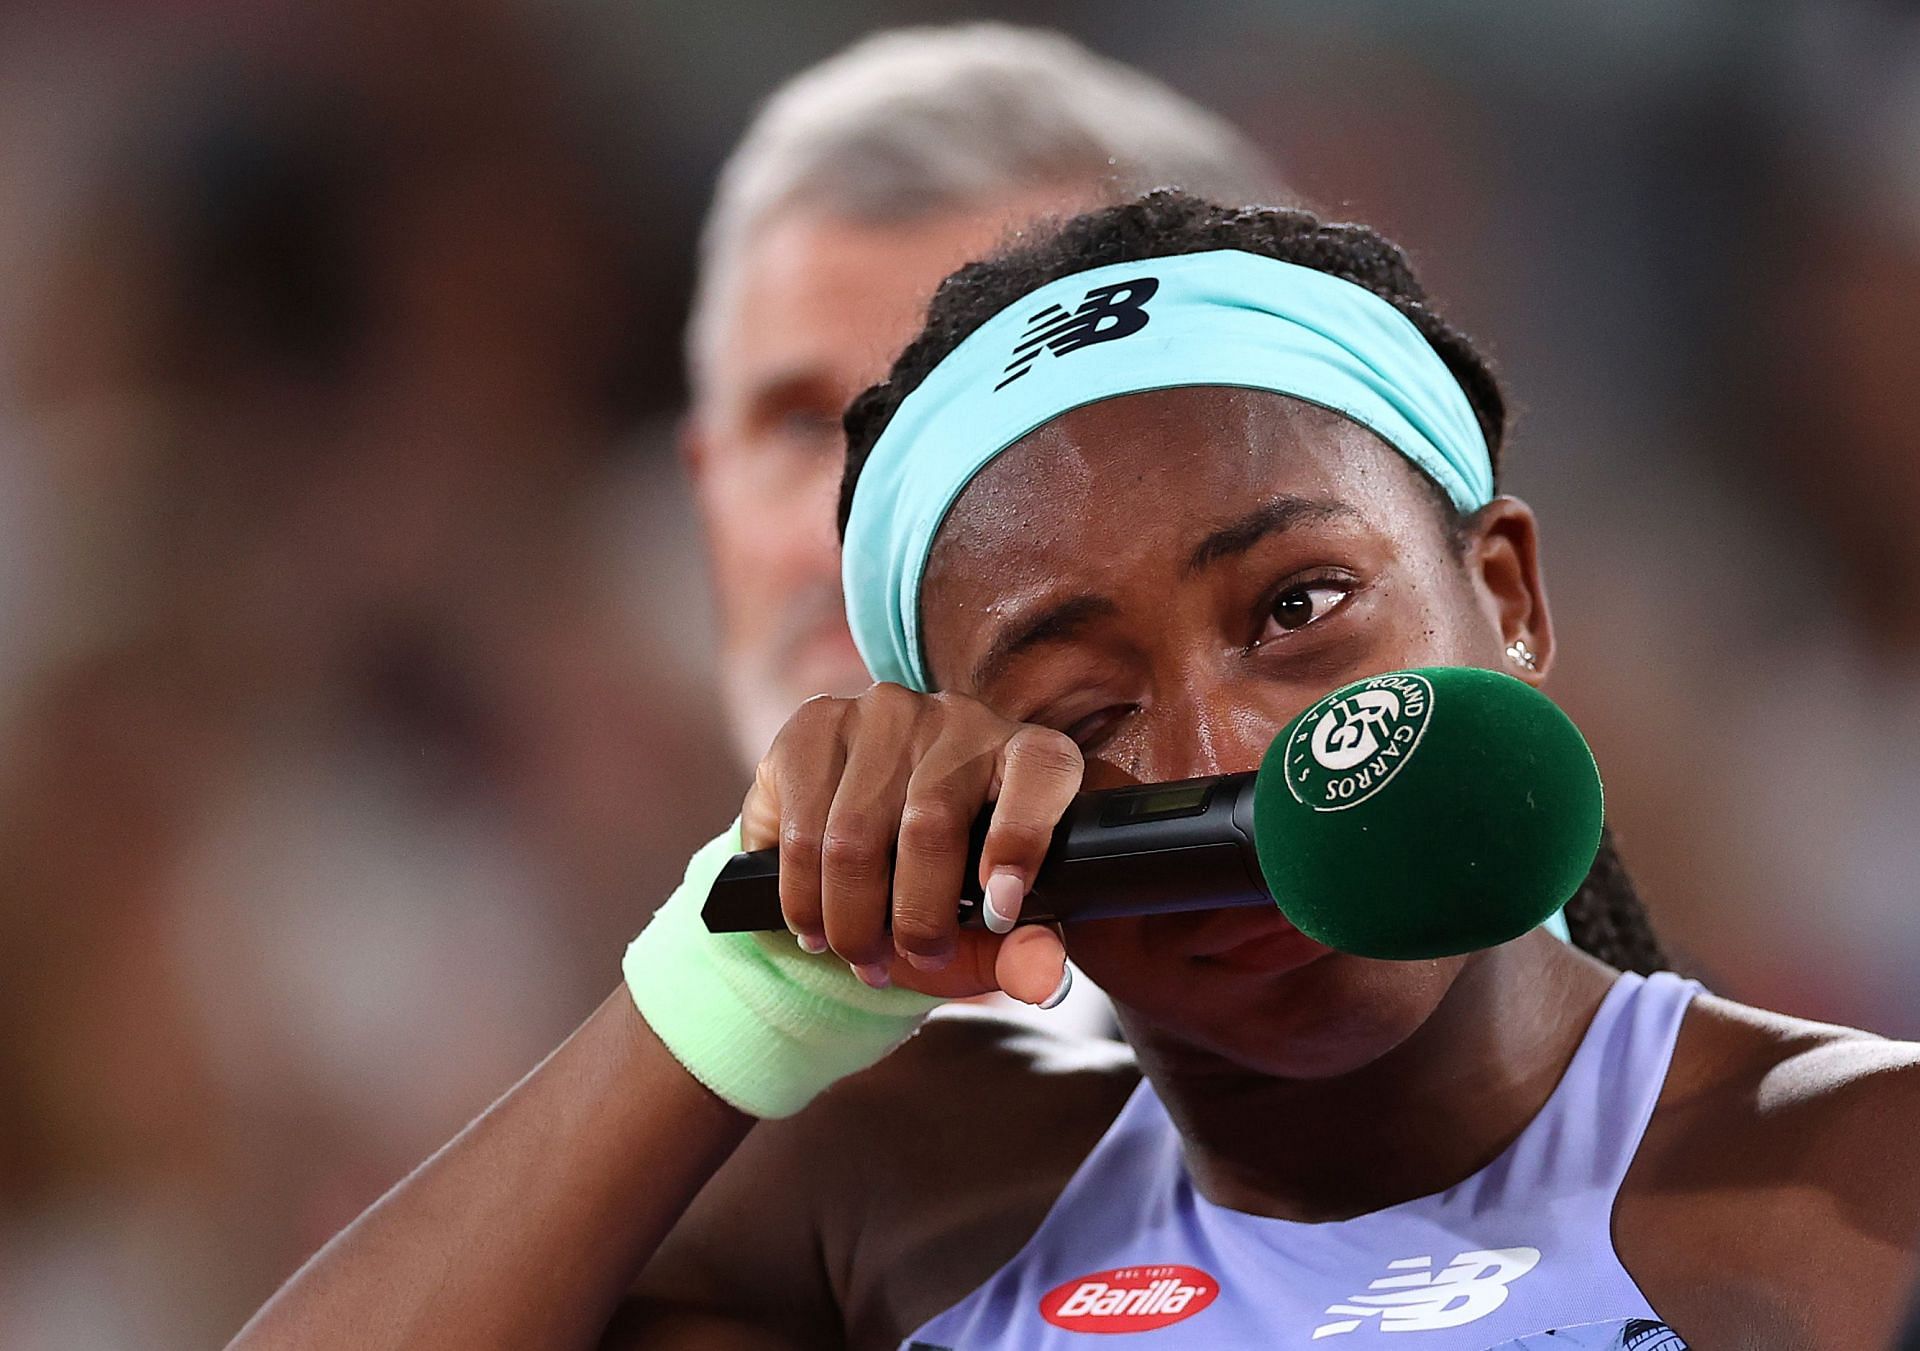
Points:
[[1161, 225], [1606, 916]]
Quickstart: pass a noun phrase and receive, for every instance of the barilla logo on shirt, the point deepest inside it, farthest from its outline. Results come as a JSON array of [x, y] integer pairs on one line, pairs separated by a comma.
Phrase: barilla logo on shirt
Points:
[[1128, 1299]]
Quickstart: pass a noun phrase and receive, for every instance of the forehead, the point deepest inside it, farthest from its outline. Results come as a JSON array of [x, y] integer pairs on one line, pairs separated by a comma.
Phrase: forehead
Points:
[[1140, 477], [818, 296]]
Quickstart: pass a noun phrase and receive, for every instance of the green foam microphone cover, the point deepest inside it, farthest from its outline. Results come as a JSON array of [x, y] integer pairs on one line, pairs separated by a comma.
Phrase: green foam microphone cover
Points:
[[1426, 813]]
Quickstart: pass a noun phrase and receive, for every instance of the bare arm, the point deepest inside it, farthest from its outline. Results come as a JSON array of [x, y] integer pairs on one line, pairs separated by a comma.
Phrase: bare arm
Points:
[[530, 1225], [1776, 1199]]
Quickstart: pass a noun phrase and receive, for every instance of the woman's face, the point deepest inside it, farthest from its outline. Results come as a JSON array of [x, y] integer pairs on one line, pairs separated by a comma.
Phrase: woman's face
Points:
[[1170, 577]]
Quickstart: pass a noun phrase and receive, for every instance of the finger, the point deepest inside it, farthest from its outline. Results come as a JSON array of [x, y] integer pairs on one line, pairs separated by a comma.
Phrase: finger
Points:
[[1039, 771], [930, 866], [856, 857], [1032, 966], [788, 805], [970, 973], [760, 812]]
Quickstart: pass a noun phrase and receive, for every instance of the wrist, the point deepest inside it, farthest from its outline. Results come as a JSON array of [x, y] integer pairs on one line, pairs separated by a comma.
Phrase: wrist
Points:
[[765, 1026]]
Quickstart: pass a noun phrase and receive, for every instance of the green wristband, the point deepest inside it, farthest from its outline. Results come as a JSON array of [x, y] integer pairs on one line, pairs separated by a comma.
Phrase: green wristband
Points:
[[761, 1023]]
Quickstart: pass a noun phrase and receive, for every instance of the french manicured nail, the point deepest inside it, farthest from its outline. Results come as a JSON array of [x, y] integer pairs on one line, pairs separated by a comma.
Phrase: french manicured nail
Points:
[[938, 961], [812, 943], [1052, 1001], [1002, 909], [874, 974]]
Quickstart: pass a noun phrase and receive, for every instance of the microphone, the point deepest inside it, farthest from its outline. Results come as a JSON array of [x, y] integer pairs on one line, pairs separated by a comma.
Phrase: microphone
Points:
[[1411, 815]]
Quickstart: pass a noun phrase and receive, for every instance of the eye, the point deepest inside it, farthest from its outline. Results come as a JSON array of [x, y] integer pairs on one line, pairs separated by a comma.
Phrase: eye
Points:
[[1095, 728], [1304, 603], [810, 427]]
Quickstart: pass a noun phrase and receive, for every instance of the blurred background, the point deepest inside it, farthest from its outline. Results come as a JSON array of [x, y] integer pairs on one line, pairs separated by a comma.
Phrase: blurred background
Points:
[[356, 691]]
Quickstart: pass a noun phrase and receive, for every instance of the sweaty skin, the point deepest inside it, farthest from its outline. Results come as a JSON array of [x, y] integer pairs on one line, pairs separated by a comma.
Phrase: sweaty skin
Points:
[[1151, 588]]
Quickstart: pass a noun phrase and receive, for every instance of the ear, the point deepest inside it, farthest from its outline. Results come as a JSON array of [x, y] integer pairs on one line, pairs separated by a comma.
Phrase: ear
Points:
[[1502, 558]]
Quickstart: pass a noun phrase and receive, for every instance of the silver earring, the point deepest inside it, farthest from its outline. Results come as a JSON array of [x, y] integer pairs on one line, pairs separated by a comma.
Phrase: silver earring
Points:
[[1520, 655]]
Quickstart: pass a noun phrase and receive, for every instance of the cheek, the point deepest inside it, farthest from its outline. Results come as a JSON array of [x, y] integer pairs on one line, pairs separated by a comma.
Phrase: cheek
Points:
[[1435, 619], [764, 474], [765, 526]]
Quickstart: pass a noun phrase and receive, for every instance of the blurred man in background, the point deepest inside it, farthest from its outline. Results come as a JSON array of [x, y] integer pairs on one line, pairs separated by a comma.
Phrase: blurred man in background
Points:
[[861, 184]]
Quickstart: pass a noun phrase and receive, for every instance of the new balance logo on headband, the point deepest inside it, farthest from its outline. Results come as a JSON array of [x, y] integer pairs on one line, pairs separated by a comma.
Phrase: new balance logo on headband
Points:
[[1107, 312]]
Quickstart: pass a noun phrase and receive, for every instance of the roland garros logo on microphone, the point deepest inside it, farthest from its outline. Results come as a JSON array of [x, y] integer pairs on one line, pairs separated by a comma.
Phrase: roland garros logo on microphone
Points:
[[1345, 748], [1129, 1299]]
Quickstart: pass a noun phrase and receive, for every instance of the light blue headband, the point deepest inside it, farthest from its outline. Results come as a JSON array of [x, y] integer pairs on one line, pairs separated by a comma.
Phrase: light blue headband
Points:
[[1221, 318]]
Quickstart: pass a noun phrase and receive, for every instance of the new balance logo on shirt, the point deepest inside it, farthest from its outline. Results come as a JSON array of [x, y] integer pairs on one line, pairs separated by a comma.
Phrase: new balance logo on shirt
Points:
[[1411, 1297], [1106, 313], [1415, 1298]]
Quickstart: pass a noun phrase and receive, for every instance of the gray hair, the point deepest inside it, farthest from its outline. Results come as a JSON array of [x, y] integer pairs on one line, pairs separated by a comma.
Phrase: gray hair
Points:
[[916, 121]]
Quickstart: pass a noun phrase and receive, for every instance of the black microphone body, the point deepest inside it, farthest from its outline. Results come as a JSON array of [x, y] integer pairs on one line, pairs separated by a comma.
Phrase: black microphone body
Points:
[[1406, 816], [1146, 848]]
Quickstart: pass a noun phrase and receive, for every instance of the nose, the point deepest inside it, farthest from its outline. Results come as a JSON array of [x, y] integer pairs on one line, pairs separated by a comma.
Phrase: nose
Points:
[[1203, 733]]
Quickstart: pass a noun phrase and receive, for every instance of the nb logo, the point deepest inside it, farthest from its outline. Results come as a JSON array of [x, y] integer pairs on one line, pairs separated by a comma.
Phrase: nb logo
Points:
[[1107, 312], [1420, 1299]]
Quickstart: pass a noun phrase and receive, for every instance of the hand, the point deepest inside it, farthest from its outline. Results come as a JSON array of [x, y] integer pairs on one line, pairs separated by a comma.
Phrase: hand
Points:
[[871, 801]]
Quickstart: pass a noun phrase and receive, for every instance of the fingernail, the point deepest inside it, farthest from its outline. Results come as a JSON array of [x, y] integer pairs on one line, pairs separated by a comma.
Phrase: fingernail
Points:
[[812, 943], [874, 974], [938, 961], [1060, 990], [1004, 890]]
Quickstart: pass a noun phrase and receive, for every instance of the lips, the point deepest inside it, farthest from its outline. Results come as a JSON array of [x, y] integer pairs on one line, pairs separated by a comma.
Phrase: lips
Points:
[[1253, 940]]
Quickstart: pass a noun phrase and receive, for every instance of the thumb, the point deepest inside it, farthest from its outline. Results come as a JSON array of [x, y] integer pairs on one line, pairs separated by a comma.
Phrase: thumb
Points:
[[1029, 964], [1032, 965]]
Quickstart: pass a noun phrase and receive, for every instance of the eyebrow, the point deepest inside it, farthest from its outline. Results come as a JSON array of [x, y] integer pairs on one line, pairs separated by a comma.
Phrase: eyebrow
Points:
[[1281, 514], [1056, 624], [1064, 621]]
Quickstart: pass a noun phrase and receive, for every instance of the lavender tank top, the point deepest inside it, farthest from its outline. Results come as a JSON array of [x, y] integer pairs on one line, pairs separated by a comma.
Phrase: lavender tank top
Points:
[[1518, 1257]]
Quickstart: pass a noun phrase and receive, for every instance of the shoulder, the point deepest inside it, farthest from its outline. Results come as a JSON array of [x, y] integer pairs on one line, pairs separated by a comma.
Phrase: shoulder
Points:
[[1780, 1159], [945, 1156], [1830, 1110], [1832, 1098]]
